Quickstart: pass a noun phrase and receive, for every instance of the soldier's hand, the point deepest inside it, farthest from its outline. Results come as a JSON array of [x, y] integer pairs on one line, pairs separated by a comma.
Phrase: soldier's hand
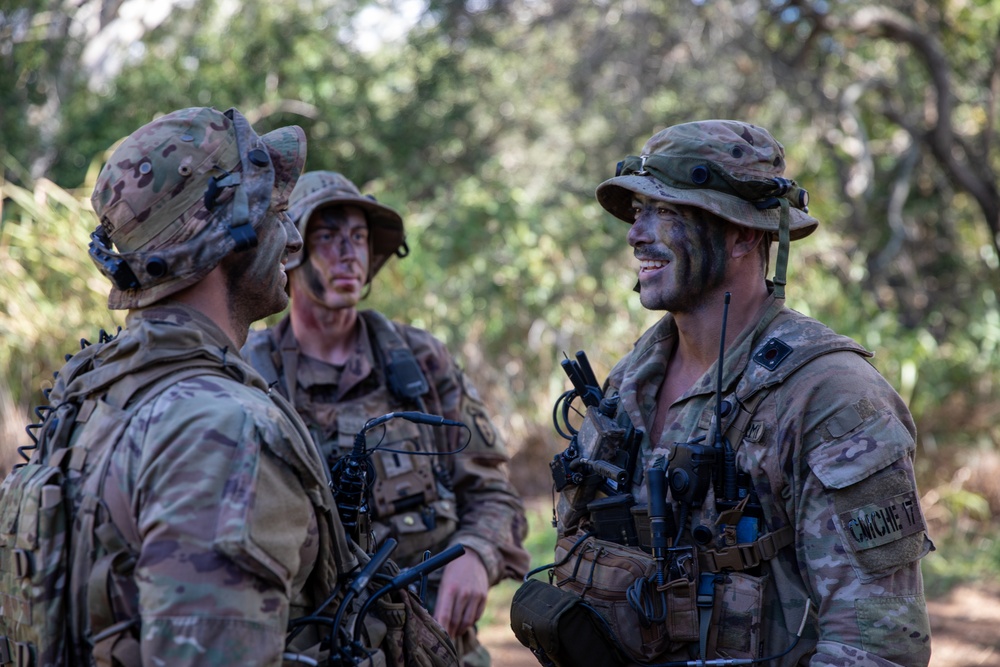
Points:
[[461, 598]]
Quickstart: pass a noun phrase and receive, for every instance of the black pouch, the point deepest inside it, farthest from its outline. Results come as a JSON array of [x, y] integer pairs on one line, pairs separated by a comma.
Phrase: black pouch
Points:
[[612, 519], [559, 628]]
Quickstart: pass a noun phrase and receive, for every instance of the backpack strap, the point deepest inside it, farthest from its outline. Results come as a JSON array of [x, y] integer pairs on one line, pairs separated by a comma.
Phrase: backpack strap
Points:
[[258, 353], [109, 578], [737, 428], [402, 373]]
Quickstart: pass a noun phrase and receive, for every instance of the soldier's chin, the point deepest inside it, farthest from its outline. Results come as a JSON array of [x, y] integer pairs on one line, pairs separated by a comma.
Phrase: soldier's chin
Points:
[[334, 299]]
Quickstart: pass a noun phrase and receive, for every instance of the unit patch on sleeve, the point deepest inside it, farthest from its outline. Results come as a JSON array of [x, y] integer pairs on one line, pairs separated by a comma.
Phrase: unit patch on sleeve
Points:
[[880, 522], [484, 427], [877, 524]]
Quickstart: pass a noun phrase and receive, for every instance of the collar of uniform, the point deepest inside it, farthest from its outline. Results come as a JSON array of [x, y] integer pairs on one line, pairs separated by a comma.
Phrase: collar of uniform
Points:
[[644, 375], [648, 364], [357, 368], [169, 333], [178, 314]]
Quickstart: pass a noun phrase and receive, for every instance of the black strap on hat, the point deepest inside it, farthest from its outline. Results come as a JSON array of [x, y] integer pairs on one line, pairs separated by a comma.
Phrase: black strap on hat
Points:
[[764, 193], [697, 173]]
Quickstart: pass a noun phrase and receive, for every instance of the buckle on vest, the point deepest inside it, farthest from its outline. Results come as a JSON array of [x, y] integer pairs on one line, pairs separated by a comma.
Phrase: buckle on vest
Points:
[[22, 565], [749, 555], [716, 561], [24, 654]]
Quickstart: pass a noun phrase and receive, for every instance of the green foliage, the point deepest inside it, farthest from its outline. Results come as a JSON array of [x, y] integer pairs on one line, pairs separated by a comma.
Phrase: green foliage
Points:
[[966, 549], [53, 296], [490, 125], [541, 544]]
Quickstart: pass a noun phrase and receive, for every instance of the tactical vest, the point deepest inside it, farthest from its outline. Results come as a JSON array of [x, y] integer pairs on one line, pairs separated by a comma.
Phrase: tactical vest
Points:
[[714, 600], [411, 499]]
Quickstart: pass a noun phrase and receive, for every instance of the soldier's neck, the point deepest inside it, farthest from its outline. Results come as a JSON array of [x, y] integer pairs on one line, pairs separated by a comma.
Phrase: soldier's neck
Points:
[[210, 296], [326, 334], [697, 347]]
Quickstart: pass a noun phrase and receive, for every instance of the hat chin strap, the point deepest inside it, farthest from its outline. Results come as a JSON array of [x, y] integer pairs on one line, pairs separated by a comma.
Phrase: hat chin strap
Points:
[[784, 241]]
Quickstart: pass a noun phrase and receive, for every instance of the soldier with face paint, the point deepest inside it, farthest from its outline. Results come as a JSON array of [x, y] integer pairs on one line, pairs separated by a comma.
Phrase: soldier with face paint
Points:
[[340, 366], [201, 520], [785, 464]]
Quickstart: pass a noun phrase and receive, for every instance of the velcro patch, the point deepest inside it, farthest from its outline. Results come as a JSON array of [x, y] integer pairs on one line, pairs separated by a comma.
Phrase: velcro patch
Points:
[[880, 523]]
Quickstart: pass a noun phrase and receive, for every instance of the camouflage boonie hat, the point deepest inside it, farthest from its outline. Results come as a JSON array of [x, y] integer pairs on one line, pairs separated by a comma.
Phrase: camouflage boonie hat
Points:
[[181, 193], [322, 189], [729, 168]]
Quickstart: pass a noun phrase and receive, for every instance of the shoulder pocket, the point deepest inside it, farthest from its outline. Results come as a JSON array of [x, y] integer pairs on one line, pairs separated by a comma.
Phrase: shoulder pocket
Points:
[[859, 447], [264, 515], [868, 471]]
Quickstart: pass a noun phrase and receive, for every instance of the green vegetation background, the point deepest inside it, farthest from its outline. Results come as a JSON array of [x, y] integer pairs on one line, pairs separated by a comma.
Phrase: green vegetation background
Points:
[[489, 123]]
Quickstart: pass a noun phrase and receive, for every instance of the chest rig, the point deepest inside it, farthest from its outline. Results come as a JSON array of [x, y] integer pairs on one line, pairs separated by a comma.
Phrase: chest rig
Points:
[[410, 498], [703, 538]]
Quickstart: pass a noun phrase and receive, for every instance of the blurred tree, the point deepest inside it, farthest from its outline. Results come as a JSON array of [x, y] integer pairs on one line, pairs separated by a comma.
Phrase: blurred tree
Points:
[[490, 123], [42, 67], [53, 297]]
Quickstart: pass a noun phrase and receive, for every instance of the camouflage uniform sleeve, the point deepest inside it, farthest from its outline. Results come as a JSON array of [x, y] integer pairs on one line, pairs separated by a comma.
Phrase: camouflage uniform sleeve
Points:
[[491, 514], [860, 530], [224, 525]]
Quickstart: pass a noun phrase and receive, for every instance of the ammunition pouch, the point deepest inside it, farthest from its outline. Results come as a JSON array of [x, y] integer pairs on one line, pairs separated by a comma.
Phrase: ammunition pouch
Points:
[[735, 630], [413, 637]]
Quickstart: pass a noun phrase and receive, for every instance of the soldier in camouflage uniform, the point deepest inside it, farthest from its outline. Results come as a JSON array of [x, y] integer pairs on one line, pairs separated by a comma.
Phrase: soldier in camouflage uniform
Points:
[[340, 367], [823, 536], [214, 516]]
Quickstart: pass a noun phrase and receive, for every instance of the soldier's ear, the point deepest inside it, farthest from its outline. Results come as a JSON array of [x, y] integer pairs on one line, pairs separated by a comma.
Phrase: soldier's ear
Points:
[[745, 240]]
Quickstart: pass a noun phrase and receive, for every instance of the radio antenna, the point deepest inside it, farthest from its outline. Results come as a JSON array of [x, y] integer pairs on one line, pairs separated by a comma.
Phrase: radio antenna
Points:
[[722, 446]]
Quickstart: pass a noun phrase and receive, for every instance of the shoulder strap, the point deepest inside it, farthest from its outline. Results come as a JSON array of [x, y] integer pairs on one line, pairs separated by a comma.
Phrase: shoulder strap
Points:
[[109, 637], [790, 346], [403, 374], [383, 330], [258, 353]]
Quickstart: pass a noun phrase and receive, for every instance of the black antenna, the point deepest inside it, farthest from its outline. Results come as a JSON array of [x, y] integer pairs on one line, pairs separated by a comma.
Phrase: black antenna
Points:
[[722, 355], [728, 455]]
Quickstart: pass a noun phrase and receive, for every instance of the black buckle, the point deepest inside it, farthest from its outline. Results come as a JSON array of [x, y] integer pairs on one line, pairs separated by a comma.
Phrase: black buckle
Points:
[[116, 269], [244, 235]]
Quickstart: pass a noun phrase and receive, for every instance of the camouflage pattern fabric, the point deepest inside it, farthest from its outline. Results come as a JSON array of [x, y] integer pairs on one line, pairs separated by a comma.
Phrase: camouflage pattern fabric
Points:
[[335, 402], [830, 452], [726, 167], [224, 499], [151, 196]]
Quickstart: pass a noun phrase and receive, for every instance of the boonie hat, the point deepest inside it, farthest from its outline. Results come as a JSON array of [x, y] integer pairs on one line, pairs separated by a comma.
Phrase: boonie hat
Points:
[[319, 189], [726, 167], [181, 193], [730, 168]]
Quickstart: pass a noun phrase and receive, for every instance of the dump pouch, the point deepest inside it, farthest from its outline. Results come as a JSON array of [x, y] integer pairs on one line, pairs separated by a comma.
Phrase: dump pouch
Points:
[[559, 628], [602, 573]]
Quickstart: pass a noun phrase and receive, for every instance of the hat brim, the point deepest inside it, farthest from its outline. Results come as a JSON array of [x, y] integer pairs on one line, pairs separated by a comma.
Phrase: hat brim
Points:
[[287, 146], [385, 225], [616, 195]]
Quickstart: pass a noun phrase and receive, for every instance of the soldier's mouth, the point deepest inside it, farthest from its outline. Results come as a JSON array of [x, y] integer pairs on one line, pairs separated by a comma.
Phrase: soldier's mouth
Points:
[[649, 265]]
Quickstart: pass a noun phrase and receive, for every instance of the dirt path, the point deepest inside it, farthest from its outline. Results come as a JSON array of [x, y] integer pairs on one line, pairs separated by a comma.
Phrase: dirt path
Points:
[[965, 626]]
